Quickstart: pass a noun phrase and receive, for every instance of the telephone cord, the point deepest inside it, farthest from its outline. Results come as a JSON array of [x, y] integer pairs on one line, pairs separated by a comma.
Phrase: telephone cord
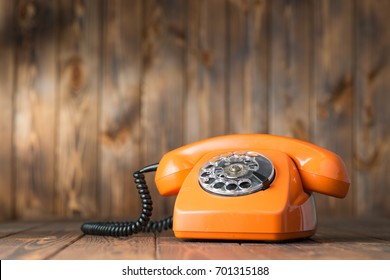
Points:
[[143, 224]]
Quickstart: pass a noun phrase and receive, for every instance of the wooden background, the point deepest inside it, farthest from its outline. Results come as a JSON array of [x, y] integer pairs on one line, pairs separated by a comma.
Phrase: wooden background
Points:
[[91, 91]]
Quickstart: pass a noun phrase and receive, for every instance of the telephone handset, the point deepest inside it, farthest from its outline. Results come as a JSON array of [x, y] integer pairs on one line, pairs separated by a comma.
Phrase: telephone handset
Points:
[[244, 186]]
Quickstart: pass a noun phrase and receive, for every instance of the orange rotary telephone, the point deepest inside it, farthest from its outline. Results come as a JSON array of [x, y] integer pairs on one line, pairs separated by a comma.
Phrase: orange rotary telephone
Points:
[[242, 187]]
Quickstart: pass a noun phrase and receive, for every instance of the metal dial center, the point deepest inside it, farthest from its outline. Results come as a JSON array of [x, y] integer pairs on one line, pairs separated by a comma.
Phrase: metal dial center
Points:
[[235, 168]]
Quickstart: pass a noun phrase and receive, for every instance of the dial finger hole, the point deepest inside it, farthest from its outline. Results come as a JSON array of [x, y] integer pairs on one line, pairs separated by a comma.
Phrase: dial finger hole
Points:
[[210, 180], [218, 170], [235, 159], [218, 185], [245, 185], [231, 186]]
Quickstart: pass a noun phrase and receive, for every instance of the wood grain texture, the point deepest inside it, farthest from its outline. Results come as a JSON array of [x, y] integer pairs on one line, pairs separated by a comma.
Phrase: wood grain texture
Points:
[[372, 117], [120, 108], [373, 228], [247, 72], [139, 247], [35, 103], [290, 68], [13, 227], [79, 87], [170, 248], [336, 239], [163, 85], [206, 100], [7, 58], [39, 242], [332, 100]]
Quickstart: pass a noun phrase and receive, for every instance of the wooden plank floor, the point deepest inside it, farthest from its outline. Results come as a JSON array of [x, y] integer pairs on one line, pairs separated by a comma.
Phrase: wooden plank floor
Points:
[[335, 239]]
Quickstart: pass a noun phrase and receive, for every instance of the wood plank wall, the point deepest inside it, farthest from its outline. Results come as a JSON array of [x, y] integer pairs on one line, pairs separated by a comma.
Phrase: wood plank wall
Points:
[[93, 90]]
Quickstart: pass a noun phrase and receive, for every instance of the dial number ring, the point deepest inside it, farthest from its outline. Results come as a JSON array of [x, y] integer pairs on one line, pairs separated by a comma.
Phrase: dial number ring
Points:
[[236, 173]]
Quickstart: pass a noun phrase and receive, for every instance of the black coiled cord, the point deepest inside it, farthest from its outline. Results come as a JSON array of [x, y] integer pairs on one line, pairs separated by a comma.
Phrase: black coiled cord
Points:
[[143, 224]]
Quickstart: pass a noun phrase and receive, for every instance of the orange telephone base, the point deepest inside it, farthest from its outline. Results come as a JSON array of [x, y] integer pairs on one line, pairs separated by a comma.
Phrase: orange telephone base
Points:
[[283, 211]]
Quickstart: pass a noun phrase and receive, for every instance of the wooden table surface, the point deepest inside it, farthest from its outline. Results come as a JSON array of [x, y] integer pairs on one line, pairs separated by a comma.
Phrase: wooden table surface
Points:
[[335, 239]]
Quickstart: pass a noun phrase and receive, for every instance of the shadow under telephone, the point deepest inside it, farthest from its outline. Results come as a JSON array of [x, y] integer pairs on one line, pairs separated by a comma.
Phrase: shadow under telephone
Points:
[[241, 187]]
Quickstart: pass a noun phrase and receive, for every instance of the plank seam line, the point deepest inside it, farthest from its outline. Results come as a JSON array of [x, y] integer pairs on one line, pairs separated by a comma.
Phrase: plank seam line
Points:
[[50, 256], [23, 230], [156, 248]]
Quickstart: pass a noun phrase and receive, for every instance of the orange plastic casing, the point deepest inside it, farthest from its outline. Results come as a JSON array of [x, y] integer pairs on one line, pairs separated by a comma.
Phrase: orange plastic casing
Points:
[[286, 210]]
